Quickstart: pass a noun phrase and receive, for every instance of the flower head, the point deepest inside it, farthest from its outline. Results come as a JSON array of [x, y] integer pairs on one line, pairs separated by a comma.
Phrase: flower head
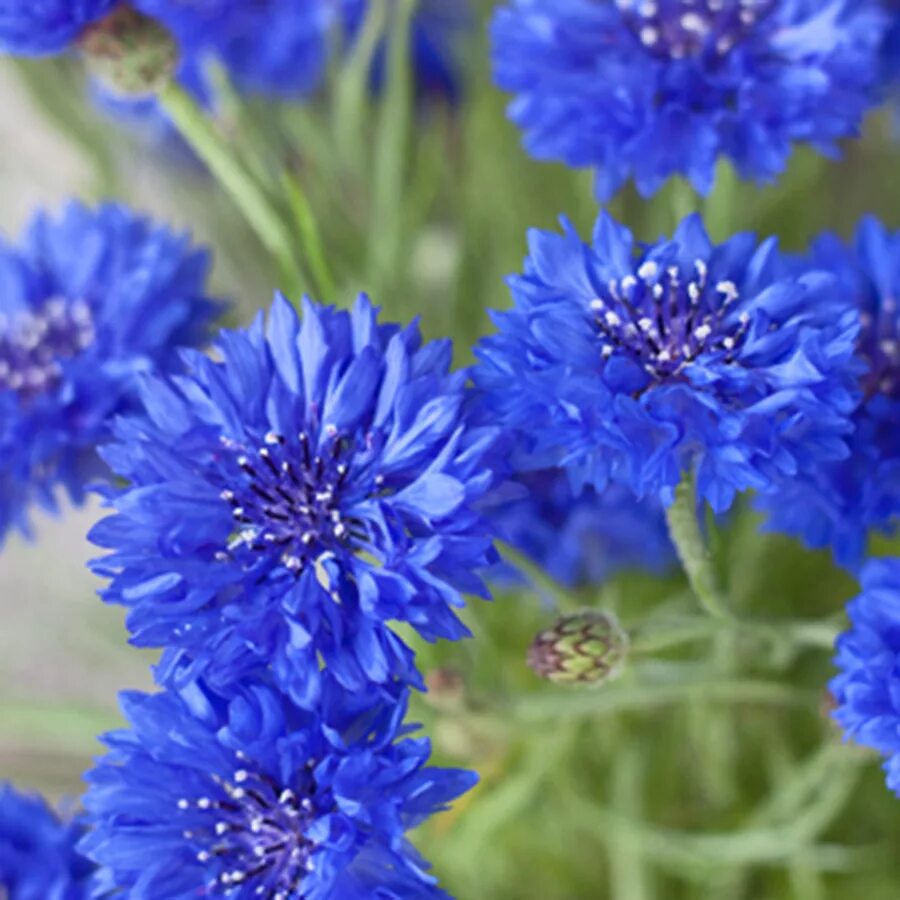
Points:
[[252, 796], [40, 27], [838, 504], [585, 648], [649, 90], [87, 301], [318, 482], [579, 538], [867, 687], [38, 860], [636, 364]]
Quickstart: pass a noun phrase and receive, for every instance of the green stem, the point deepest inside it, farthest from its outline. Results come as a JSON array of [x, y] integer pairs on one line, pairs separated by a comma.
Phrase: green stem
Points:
[[305, 220], [558, 705], [539, 579], [392, 151], [684, 529], [261, 214]]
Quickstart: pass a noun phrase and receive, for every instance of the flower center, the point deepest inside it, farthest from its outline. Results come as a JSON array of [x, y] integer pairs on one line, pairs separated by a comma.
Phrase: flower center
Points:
[[250, 831], [287, 496], [664, 323], [879, 345], [33, 344], [676, 29]]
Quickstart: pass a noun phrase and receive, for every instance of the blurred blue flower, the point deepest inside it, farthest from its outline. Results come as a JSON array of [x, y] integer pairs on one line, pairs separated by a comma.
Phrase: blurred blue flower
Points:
[[437, 28], [634, 364], [838, 504], [40, 27], [578, 538], [318, 482], [282, 49], [273, 46], [867, 687], [250, 796], [38, 859], [653, 89], [87, 301]]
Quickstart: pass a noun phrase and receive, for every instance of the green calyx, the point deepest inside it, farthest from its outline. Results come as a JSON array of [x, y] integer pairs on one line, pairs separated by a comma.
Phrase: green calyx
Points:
[[584, 648], [129, 52]]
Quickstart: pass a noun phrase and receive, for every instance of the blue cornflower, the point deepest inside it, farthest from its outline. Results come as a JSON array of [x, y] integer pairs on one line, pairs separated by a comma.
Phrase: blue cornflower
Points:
[[838, 504], [38, 859], [652, 89], [87, 301], [274, 46], [867, 688], [579, 538], [248, 795], [635, 364], [40, 27], [318, 482]]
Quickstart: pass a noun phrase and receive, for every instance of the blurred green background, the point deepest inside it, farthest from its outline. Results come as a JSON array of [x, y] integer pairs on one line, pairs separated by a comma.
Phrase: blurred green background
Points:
[[709, 770]]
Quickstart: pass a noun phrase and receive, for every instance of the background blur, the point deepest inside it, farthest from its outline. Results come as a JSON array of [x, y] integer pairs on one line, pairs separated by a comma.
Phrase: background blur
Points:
[[635, 792]]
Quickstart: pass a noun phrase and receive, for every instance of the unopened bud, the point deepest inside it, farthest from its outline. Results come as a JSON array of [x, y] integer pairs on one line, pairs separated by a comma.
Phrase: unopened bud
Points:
[[589, 647], [129, 52]]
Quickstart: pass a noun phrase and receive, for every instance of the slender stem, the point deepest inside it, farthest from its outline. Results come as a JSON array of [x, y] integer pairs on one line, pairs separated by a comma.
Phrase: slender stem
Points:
[[653, 636], [261, 214], [391, 150], [684, 529], [312, 240], [551, 706], [539, 579]]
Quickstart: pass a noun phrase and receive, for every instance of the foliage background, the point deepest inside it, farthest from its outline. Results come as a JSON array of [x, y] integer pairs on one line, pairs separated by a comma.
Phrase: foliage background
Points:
[[709, 769]]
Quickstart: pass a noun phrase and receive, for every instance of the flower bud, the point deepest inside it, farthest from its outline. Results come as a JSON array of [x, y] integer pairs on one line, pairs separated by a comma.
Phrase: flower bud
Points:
[[130, 52], [589, 647]]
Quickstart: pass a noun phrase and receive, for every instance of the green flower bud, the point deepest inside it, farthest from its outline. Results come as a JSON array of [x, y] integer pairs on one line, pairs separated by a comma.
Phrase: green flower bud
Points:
[[585, 648], [130, 52]]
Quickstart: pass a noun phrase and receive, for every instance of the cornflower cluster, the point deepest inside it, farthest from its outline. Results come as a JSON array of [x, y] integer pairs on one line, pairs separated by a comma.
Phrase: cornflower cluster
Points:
[[284, 505], [285, 502]]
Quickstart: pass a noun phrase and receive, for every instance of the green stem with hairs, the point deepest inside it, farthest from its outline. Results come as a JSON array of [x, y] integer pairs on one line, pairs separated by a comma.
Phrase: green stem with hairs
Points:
[[684, 529]]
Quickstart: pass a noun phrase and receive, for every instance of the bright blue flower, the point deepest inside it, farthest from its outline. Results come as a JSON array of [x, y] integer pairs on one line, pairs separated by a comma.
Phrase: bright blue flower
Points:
[[40, 27], [634, 364], [650, 90], [837, 505], [248, 795], [38, 859], [332, 459], [87, 301], [867, 688], [579, 538]]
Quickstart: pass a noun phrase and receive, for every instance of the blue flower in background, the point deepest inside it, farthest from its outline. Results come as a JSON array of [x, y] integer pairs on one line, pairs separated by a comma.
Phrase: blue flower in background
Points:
[[38, 859], [437, 27], [579, 538], [250, 796], [837, 505], [867, 688], [635, 364], [281, 48], [87, 301], [650, 90], [274, 46], [40, 27], [318, 482]]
